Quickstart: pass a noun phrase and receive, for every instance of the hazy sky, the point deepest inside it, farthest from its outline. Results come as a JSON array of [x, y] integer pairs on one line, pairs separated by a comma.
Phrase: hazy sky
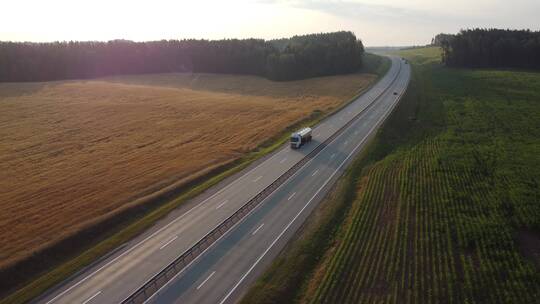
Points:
[[376, 22]]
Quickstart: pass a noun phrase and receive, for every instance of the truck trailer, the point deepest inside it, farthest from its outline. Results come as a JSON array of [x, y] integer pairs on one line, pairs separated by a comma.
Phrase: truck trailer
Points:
[[300, 137]]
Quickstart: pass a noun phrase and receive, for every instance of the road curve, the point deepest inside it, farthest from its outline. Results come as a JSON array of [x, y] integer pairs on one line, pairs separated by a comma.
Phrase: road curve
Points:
[[223, 272]]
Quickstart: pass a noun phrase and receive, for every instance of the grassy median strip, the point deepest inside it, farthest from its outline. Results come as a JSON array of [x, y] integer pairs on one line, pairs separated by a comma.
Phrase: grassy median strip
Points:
[[131, 226]]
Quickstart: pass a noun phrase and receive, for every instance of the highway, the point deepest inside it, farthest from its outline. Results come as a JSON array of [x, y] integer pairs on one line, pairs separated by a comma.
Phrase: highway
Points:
[[226, 269]]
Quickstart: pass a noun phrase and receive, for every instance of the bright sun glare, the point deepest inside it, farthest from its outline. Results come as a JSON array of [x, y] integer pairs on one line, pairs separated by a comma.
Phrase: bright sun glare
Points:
[[377, 22], [137, 20]]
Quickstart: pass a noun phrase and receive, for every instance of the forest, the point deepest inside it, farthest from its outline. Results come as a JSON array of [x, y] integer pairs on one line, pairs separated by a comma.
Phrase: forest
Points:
[[496, 48], [298, 57], [441, 39]]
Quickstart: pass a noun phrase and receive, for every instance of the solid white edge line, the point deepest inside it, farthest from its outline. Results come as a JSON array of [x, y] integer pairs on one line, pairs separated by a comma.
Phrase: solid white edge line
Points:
[[201, 285], [170, 241], [92, 297], [259, 228], [305, 206]]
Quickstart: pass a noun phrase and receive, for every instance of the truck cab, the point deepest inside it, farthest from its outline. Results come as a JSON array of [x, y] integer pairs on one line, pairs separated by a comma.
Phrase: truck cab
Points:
[[296, 141]]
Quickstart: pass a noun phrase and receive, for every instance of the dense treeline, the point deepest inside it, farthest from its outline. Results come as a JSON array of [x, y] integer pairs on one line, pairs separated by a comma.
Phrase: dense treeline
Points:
[[493, 48], [283, 59], [315, 55], [441, 39]]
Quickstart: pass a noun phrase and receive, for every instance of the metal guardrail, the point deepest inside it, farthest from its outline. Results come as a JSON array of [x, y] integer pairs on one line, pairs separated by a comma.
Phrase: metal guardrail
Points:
[[168, 273]]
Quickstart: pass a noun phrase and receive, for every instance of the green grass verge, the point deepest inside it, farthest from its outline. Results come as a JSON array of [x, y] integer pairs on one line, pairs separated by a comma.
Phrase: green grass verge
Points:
[[438, 212], [131, 227], [375, 64]]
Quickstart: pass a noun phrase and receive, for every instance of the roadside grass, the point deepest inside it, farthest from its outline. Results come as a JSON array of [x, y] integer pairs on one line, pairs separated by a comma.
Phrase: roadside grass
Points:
[[126, 226], [374, 64], [445, 209]]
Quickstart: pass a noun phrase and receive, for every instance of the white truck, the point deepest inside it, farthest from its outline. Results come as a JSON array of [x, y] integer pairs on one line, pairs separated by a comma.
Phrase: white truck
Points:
[[300, 137]]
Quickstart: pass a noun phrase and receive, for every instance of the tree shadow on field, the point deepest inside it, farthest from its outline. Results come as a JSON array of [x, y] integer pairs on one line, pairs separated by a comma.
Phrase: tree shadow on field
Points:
[[18, 89], [243, 84]]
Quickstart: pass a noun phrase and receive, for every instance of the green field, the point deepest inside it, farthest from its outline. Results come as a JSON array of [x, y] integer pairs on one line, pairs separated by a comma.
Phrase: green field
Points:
[[443, 206]]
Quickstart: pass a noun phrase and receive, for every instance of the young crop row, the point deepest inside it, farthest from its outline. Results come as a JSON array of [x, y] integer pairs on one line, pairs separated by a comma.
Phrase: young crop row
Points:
[[452, 188], [422, 230], [438, 220]]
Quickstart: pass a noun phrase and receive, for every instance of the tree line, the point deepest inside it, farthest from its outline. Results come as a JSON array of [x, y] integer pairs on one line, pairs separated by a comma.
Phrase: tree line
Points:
[[441, 39], [284, 59], [480, 48]]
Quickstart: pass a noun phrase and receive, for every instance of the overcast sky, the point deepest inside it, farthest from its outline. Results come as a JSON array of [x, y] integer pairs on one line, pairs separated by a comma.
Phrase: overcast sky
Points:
[[376, 22]]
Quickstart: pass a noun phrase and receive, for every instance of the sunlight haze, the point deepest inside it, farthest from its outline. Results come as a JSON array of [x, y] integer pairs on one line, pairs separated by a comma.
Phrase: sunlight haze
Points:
[[381, 22]]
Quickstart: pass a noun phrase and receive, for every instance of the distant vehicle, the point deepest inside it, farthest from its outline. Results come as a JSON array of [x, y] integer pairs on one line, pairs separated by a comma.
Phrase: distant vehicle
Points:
[[395, 93], [300, 137]]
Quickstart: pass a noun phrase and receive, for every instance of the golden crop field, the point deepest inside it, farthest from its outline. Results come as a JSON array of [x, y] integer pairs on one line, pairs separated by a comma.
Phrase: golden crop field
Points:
[[75, 152]]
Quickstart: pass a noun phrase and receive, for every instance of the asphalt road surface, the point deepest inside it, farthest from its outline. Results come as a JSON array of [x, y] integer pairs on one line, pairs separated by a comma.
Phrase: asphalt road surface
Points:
[[224, 272]]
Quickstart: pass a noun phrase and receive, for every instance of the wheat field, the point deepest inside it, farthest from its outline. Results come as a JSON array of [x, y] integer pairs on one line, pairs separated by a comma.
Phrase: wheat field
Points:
[[75, 152]]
